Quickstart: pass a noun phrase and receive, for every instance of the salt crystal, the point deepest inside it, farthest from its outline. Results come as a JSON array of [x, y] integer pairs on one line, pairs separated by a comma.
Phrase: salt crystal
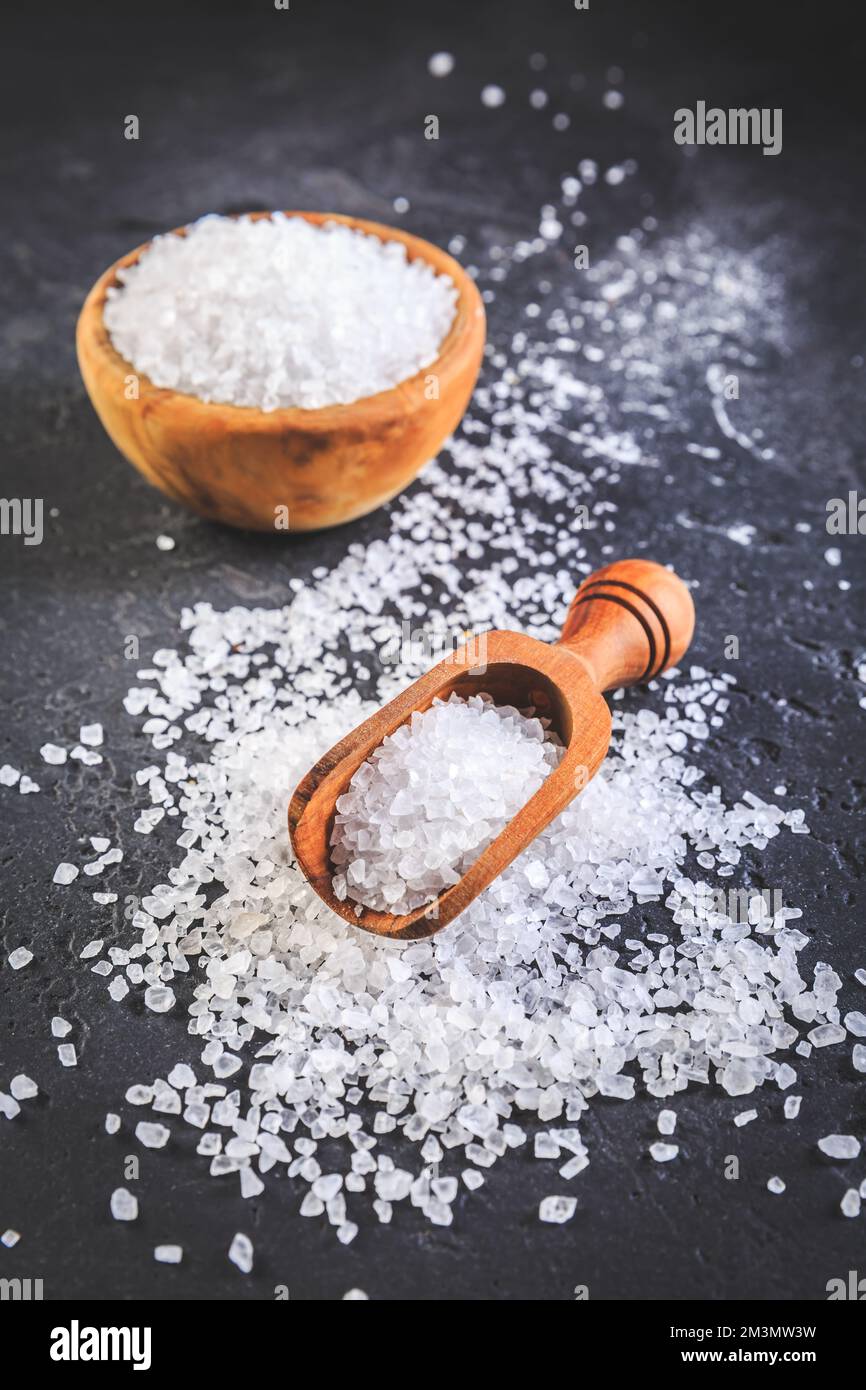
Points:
[[666, 1122], [557, 1210], [9, 1106], [67, 1054], [839, 1146], [10, 1238], [159, 998], [139, 1095], [53, 753], [776, 1185], [152, 1136], [241, 1252], [20, 957], [181, 1076], [124, 1206], [251, 1183], [663, 1153], [825, 1034], [91, 735], [792, 1107], [59, 1027], [856, 1024], [23, 1088], [65, 873], [745, 1117], [112, 1123], [168, 1254], [355, 1296], [850, 1204]]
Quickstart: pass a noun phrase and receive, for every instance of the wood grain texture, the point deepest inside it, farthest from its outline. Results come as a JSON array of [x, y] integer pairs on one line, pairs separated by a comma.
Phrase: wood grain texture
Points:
[[605, 643], [239, 465]]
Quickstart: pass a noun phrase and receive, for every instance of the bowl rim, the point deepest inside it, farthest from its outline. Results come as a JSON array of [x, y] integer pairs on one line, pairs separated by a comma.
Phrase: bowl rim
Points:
[[93, 339]]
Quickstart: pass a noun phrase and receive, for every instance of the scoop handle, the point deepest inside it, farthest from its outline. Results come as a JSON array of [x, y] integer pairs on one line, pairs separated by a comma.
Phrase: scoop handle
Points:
[[628, 622]]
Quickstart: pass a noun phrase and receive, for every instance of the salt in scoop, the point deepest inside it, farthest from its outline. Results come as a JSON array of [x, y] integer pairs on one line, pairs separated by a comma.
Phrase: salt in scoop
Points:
[[626, 624]]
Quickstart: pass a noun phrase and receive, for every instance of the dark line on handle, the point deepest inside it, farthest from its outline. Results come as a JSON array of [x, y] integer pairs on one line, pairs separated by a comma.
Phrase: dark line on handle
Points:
[[621, 584], [630, 608]]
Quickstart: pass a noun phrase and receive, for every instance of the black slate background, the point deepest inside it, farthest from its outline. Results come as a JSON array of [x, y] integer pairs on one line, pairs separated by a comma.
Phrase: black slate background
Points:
[[322, 106]]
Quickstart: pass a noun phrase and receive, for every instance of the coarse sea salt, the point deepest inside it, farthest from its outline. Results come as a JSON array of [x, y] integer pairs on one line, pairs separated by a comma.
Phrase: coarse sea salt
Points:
[[278, 312], [537, 999], [433, 795]]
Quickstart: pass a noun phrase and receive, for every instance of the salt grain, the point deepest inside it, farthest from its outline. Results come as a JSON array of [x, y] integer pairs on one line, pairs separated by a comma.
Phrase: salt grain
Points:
[[124, 1206], [850, 1204], [241, 1252], [557, 1210], [52, 753], [839, 1146], [663, 1153], [168, 1254], [23, 1088], [152, 1136]]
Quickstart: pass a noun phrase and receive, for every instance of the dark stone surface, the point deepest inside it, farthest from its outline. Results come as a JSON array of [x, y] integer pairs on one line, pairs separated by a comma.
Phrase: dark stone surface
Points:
[[322, 107]]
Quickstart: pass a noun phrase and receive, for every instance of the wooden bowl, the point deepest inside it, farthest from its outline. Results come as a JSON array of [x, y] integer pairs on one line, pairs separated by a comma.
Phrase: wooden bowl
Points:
[[244, 466]]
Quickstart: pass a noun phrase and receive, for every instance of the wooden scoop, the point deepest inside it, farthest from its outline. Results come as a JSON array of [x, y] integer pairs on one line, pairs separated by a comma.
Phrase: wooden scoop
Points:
[[626, 624]]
